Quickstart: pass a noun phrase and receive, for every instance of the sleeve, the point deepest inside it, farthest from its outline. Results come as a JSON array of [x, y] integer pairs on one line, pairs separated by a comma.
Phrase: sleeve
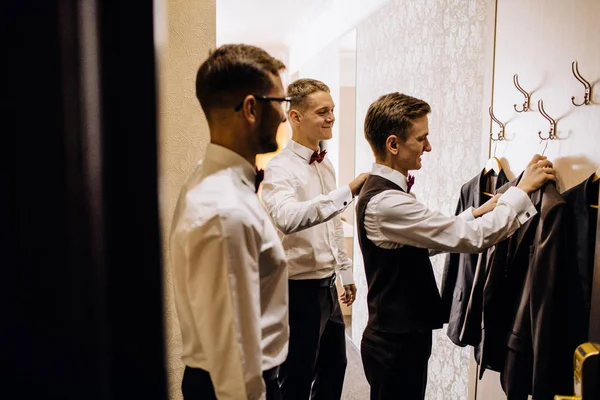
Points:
[[289, 215], [344, 262], [224, 293], [401, 219]]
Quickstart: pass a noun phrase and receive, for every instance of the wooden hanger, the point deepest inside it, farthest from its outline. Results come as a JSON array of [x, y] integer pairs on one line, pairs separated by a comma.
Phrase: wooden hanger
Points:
[[493, 164]]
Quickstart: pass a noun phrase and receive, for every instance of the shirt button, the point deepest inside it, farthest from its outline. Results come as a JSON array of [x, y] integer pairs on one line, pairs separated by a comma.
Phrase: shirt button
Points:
[[527, 214], [345, 203]]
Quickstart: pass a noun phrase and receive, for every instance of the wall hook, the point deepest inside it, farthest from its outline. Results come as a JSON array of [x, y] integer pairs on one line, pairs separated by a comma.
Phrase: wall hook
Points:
[[525, 106], [588, 88], [552, 132], [501, 133]]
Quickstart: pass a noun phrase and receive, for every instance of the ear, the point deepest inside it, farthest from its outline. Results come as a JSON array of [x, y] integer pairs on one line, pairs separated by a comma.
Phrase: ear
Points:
[[392, 143], [249, 108], [294, 116]]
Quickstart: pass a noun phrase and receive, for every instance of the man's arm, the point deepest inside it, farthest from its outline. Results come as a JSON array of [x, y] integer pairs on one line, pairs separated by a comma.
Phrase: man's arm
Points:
[[415, 225], [404, 220], [288, 214], [224, 293]]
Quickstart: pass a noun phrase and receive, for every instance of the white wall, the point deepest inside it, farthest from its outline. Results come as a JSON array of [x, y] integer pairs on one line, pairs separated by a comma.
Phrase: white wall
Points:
[[325, 66], [186, 32], [538, 39], [333, 20], [436, 50]]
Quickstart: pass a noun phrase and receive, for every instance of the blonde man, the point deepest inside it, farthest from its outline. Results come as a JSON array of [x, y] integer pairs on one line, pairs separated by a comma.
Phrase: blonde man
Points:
[[301, 196]]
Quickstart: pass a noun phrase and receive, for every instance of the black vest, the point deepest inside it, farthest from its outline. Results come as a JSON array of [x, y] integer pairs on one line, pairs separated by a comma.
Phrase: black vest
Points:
[[402, 296]]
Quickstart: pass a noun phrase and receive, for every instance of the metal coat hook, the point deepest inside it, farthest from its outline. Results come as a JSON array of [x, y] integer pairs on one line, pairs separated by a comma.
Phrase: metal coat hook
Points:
[[588, 88], [552, 132], [527, 96], [501, 133]]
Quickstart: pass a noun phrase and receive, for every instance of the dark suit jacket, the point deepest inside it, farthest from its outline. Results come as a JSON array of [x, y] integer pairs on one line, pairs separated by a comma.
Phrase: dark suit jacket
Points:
[[525, 304], [459, 270], [582, 238]]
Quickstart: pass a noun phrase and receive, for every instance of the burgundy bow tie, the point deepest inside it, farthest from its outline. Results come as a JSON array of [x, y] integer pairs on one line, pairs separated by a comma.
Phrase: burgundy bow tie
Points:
[[318, 157], [260, 175], [410, 182]]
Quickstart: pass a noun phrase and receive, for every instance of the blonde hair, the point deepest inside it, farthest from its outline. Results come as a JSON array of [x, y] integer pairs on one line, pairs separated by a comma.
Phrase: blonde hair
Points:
[[300, 89]]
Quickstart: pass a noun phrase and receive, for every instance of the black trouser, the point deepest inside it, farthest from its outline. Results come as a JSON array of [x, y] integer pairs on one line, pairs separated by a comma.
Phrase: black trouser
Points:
[[396, 364], [197, 385], [316, 362]]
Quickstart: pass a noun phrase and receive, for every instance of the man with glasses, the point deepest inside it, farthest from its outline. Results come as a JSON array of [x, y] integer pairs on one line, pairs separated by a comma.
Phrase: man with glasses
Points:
[[229, 268], [300, 194]]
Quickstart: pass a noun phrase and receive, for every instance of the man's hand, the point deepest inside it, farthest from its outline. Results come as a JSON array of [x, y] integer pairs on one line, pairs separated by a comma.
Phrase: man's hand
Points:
[[486, 207], [358, 183], [349, 295], [538, 171]]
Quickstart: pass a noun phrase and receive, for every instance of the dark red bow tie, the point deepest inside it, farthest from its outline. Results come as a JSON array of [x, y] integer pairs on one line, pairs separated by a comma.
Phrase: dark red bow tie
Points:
[[318, 157], [410, 182], [260, 175]]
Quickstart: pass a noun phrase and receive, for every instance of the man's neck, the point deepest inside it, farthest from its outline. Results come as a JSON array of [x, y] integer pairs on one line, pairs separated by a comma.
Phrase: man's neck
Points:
[[298, 138], [236, 146], [392, 165]]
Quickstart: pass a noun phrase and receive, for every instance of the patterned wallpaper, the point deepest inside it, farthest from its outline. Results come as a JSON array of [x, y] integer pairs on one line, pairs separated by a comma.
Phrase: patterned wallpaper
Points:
[[183, 133], [434, 50]]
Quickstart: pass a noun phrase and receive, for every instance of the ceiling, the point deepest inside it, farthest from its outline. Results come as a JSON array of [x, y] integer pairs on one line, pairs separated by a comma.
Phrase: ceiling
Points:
[[269, 23]]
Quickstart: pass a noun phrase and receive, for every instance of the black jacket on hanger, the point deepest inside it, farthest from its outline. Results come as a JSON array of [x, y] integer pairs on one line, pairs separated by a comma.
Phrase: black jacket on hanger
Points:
[[525, 304], [582, 238], [459, 269]]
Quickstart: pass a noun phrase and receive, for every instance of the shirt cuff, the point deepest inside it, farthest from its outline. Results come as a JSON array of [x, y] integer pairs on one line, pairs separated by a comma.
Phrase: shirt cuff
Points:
[[467, 215], [341, 197], [520, 202], [347, 277]]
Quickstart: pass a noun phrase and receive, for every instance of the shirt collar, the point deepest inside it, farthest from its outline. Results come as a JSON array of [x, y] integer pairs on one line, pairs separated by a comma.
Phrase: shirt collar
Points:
[[391, 175], [301, 150], [224, 157]]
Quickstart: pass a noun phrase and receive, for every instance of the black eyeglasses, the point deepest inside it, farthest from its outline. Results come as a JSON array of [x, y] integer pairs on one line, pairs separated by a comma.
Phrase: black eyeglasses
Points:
[[286, 102]]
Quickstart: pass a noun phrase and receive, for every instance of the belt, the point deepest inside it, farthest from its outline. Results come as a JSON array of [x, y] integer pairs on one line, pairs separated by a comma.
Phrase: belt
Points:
[[268, 375], [311, 283], [271, 374], [327, 282]]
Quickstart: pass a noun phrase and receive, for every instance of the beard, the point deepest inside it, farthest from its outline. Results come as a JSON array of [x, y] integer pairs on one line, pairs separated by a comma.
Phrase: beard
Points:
[[267, 137]]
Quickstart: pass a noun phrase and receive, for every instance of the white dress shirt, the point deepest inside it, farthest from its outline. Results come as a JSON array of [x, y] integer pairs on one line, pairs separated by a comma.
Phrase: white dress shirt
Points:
[[394, 218], [304, 204], [229, 277]]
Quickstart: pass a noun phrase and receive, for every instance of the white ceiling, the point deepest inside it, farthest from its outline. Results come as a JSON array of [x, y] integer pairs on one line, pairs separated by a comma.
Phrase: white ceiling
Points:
[[269, 23], [292, 30]]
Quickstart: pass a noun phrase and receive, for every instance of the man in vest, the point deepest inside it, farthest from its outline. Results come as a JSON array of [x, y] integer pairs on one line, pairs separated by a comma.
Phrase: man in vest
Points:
[[396, 233]]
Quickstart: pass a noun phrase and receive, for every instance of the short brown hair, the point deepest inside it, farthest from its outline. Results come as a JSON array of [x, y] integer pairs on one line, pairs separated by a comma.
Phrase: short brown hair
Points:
[[300, 89], [392, 114], [232, 72]]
